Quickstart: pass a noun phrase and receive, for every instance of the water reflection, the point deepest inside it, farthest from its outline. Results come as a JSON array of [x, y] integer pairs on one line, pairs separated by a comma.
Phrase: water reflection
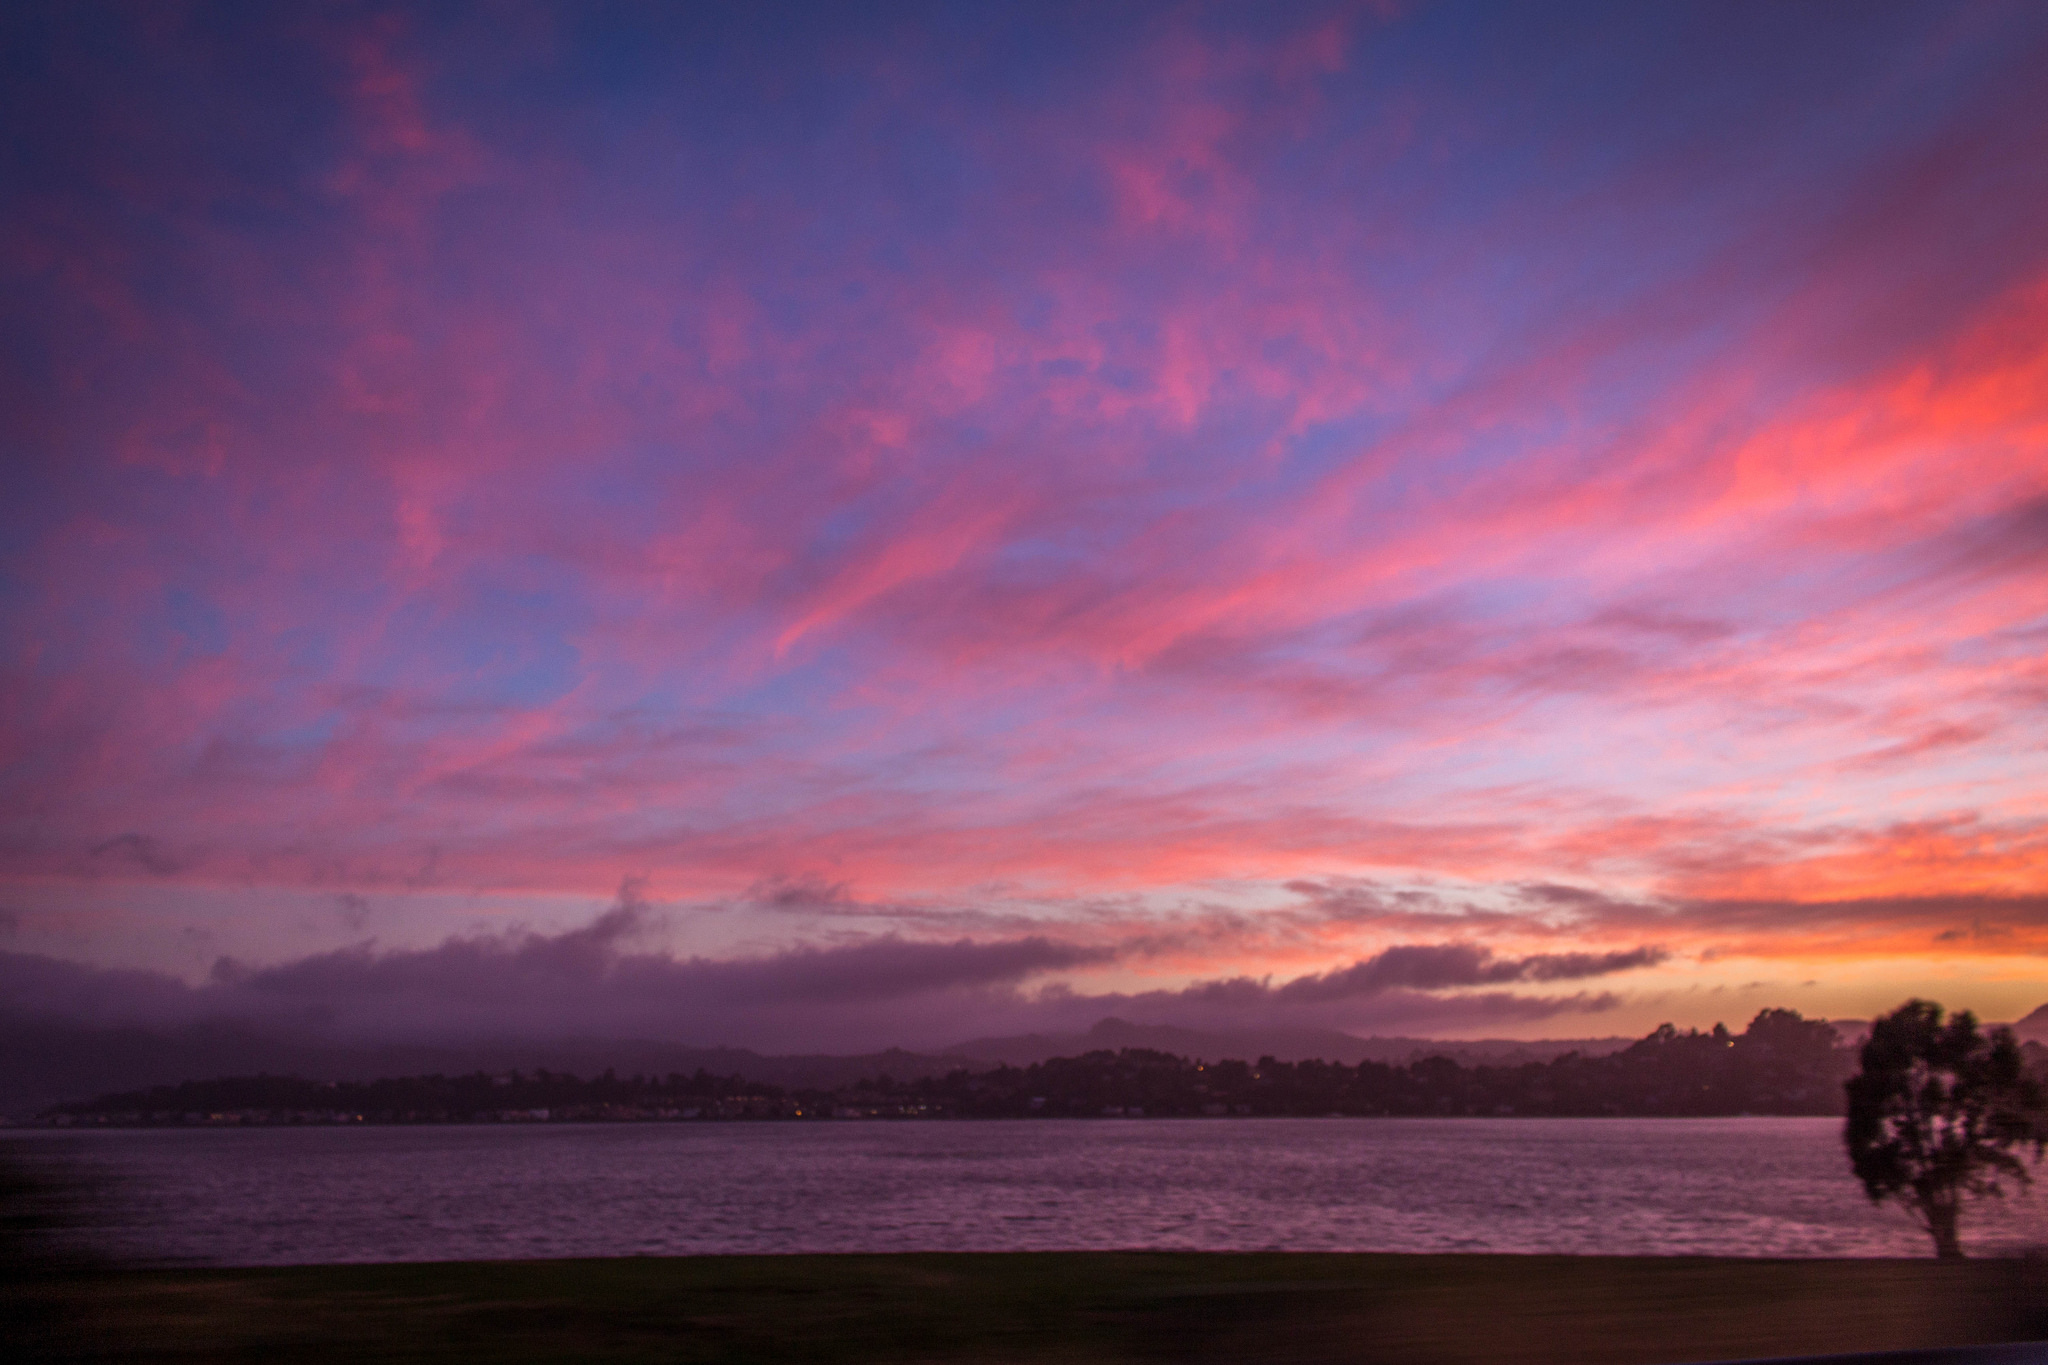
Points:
[[1743, 1187]]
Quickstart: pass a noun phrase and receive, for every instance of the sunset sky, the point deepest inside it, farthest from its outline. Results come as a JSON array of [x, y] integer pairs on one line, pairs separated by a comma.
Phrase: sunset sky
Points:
[[828, 526]]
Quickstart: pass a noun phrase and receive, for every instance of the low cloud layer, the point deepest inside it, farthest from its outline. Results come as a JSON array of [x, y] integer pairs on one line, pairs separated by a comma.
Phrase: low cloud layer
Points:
[[1436, 966], [879, 992]]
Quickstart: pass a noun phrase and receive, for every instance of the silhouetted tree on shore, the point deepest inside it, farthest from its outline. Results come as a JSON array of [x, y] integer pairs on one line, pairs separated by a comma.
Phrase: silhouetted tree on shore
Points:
[[1938, 1113]]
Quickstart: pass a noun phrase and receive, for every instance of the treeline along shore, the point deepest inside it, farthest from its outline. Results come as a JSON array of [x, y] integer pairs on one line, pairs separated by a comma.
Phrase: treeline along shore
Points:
[[1781, 1064]]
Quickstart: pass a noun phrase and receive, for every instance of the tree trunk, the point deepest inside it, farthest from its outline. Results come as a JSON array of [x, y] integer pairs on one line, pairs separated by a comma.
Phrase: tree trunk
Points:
[[1941, 1226]]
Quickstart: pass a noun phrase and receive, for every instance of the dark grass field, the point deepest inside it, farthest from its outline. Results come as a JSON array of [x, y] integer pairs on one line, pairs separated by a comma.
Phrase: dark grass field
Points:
[[1297, 1308]]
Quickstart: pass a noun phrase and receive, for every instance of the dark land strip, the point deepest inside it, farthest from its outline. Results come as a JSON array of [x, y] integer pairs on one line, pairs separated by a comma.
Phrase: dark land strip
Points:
[[1781, 1064], [1302, 1308]]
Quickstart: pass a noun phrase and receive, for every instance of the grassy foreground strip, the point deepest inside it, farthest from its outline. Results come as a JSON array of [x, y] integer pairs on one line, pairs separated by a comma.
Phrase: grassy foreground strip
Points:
[[1060, 1306]]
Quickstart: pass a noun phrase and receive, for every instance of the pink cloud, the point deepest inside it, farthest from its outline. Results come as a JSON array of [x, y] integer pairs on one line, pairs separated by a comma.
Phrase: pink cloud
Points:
[[1272, 457]]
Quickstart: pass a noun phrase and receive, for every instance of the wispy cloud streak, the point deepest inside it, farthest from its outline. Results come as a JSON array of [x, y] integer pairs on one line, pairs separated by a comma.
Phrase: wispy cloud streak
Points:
[[985, 470]]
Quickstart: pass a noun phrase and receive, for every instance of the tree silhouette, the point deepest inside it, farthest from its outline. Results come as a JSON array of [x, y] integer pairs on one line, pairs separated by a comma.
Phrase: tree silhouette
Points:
[[1937, 1113]]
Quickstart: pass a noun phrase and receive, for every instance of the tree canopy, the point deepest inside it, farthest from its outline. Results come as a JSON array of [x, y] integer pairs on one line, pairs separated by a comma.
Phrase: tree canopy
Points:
[[1941, 1111]]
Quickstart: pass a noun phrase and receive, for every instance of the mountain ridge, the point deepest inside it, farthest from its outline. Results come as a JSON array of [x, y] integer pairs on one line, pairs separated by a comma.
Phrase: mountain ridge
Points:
[[1282, 1044]]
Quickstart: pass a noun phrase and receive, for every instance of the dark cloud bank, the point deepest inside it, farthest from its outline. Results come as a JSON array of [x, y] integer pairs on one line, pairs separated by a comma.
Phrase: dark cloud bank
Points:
[[524, 998]]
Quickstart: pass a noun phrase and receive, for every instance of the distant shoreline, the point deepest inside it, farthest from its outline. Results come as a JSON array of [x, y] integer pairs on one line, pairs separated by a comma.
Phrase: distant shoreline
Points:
[[1781, 1064]]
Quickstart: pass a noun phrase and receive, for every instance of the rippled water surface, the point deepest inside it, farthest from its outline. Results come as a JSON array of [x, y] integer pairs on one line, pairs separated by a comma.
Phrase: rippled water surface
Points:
[[1744, 1187]]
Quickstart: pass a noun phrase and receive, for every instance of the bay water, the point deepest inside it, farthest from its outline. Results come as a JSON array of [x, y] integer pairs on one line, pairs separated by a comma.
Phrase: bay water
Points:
[[1724, 1187]]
